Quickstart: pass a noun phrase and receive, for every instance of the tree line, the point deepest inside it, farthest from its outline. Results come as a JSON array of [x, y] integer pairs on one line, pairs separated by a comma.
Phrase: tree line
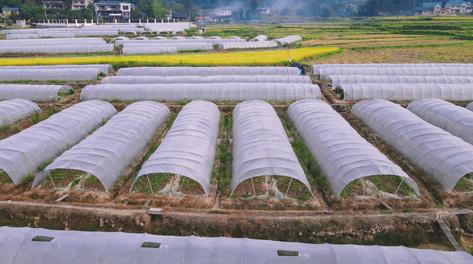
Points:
[[242, 9]]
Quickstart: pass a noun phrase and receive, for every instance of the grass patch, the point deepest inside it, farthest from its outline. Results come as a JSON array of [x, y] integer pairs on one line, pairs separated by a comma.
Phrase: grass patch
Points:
[[224, 155], [4, 178], [389, 184], [407, 46], [157, 181], [465, 184]]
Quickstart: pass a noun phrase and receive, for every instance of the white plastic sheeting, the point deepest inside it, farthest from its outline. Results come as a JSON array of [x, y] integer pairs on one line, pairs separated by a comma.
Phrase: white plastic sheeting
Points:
[[171, 42], [55, 45], [70, 30], [343, 155], [206, 71], [25, 74], [451, 118], [17, 246], [317, 67], [51, 41], [470, 106], [138, 48], [101, 68], [112, 148], [22, 153], [260, 38], [88, 72], [148, 50], [261, 146], [208, 79], [340, 80], [151, 42], [445, 157], [34, 92], [204, 91], [122, 38], [63, 34], [249, 45], [407, 70], [189, 147], [289, 39], [408, 91], [58, 48], [14, 110]]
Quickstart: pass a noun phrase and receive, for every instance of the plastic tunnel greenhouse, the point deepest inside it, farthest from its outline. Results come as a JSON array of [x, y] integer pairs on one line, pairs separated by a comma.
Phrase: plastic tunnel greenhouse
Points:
[[24, 245], [101, 68], [112, 148], [318, 67], [189, 147], [408, 70], [14, 110], [451, 118], [409, 92], [343, 155], [249, 45], [289, 39], [445, 157], [53, 73], [341, 80], [32, 91], [22, 153], [202, 91], [205, 71], [261, 146], [208, 79]]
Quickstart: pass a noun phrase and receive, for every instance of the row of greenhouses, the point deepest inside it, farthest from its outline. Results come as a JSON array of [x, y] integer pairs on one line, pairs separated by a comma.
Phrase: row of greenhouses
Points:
[[422, 133], [22, 245], [59, 45], [408, 92], [249, 45], [399, 81], [415, 134], [69, 43], [72, 30], [54, 72], [207, 71], [121, 41], [207, 83], [34, 92], [149, 79], [206, 91], [157, 45], [342, 80], [152, 48], [14, 110]]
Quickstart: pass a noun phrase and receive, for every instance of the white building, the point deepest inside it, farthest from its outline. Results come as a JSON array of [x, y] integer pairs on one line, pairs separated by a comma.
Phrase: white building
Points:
[[113, 11]]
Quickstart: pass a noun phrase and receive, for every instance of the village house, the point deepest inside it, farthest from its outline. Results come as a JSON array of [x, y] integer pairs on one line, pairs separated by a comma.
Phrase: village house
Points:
[[113, 10], [450, 8], [80, 4]]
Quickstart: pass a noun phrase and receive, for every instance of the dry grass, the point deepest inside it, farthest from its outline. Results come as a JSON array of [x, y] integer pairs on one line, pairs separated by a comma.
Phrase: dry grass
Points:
[[458, 53]]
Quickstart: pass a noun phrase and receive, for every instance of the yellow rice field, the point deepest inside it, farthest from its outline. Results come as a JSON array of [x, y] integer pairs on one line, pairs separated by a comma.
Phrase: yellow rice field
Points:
[[267, 57]]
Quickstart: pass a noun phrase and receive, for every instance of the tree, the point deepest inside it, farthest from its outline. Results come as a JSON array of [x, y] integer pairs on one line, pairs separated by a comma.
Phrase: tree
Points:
[[32, 12], [389, 7], [158, 10], [188, 6], [253, 9]]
